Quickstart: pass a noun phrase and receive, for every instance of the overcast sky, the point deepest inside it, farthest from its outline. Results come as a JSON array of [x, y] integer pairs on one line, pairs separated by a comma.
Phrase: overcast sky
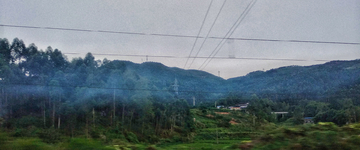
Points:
[[309, 20]]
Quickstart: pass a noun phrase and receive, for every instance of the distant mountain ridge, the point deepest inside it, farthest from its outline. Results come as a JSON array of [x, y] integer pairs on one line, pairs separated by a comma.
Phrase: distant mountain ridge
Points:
[[309, 82], [191, 83], [291, 82]]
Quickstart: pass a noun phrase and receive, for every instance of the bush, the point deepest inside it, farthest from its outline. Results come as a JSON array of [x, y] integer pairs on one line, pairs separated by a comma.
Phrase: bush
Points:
[[50, 135], [176, 139], [19, 132], [323, 135], [26, 144], [131, 137], [3, 138], [27, 121], [84, 144], [114, 134], [224, 123], [31, 131], [150, 148], [152, 139], [94, 133]]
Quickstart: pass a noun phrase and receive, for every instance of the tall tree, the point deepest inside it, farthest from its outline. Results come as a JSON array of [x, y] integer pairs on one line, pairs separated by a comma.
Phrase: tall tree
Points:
[[17, 49]]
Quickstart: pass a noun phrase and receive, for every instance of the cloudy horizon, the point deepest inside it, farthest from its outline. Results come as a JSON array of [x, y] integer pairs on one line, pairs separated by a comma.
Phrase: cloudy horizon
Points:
[[328, 21]]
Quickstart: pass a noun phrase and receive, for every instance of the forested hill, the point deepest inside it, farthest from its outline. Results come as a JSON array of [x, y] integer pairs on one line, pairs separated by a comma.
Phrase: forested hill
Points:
[[160, 80], [27, 70], [315, 82], [82, 79], [296, 82]]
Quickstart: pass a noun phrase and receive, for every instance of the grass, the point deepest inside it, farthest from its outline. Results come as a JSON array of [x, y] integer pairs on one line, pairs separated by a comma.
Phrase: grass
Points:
[[195, 146], [206, 144], [228, 137], [206, 135]]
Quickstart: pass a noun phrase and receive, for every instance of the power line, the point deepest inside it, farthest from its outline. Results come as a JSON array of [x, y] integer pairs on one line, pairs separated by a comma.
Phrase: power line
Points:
[[156, 90], [179, 36], [208, 32], [100, 31], [205, 57], [110, 88], [248, 10], [202, 24], [291, 41], [232, 29]]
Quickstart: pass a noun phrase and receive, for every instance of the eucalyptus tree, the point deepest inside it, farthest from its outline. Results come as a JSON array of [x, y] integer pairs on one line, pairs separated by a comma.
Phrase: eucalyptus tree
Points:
[[5, 51], [17, 48]]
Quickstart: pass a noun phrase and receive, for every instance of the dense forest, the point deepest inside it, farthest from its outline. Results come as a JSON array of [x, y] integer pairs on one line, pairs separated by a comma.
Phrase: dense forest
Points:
[[84, 97], [43, 89]]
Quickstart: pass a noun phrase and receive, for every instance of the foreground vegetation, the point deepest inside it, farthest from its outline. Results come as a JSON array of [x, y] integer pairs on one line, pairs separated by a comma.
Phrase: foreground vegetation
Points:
[[213, 131], [325, 136]]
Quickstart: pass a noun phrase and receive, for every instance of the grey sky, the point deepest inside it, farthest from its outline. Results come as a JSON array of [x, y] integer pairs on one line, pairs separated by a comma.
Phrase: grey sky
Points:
[[318, 20]]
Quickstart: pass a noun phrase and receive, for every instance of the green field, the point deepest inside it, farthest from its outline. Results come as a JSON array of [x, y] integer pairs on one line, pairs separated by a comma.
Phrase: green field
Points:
[[205, 144], [212, 134]]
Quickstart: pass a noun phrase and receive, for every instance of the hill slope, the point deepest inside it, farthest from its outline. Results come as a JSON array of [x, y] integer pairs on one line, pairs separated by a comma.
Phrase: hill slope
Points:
[[310, 82], [292, 82], [160, 79]]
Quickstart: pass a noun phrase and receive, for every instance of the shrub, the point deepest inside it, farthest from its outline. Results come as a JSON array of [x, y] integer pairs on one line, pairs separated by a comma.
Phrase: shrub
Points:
[[27, 121], [131, 137], [94, 133], [150, 148], [31, 131], [50, 135], [114, 134], [26, 144], [152, 139], [84, 144], [18, 133], [3, 138]]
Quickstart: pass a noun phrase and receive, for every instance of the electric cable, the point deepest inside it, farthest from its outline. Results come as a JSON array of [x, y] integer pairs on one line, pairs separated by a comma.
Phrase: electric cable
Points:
[[202, 24], [179, 36], [205, 57], [233, 27], [207, 35]]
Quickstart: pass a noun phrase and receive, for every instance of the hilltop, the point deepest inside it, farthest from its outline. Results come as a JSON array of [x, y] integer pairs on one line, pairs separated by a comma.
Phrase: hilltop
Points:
[[296, 82], [293, 82]]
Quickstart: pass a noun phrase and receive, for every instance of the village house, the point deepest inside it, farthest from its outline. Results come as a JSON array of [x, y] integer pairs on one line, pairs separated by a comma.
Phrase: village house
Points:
[[239, 106], [234, 107], [220, 106], [308, 120]]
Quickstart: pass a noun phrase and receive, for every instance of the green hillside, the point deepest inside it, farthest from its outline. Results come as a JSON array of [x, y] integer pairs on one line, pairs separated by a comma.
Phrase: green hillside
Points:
[[294, 82]]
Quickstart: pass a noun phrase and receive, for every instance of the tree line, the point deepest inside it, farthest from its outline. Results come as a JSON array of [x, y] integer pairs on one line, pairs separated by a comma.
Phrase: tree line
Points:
[[42, 88]]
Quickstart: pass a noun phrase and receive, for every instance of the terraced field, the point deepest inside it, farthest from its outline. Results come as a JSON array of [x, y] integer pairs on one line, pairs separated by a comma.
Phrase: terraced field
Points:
[[212, 132]]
